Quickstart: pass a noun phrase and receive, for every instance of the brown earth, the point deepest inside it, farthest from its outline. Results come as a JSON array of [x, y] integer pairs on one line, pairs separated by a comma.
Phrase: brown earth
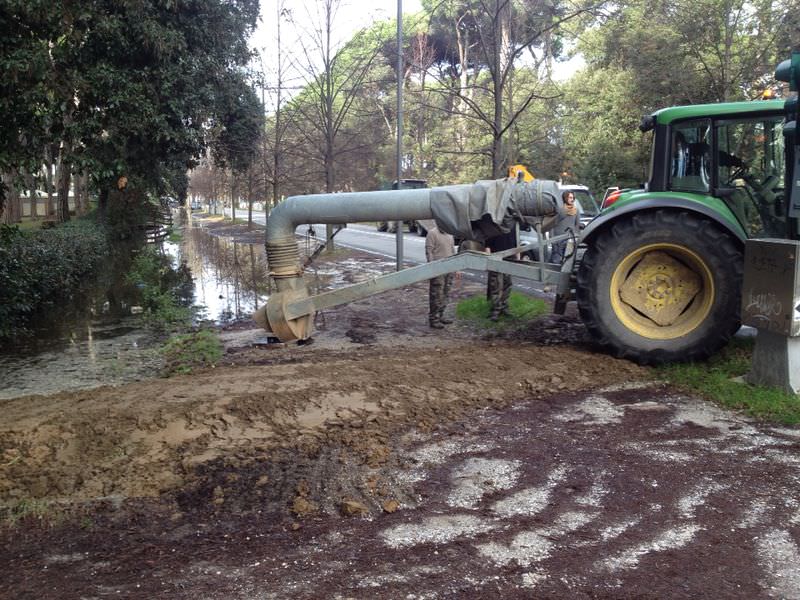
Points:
[[387, 460]]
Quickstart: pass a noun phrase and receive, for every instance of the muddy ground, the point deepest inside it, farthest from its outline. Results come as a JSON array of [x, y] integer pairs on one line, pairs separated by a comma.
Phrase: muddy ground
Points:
[[388, 460]]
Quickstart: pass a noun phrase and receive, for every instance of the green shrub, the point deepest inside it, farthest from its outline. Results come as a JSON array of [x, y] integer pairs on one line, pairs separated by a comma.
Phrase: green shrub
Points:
[[199, 349], [42, 268], [163, 292]]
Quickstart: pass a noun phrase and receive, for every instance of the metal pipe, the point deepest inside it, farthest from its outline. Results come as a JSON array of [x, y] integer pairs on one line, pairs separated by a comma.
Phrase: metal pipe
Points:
[[283, 255], [347, 207]]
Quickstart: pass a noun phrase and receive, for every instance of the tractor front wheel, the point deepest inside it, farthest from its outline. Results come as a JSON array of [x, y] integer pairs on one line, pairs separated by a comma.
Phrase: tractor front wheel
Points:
[[661, 286]]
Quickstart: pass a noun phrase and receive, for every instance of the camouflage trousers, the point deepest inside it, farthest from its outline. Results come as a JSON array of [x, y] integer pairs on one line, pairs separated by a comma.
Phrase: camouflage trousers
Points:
[[438, 296], [498, 290]]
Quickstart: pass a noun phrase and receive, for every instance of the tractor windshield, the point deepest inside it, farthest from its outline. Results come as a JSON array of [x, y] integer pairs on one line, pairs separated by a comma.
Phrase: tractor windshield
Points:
[[740, 160]]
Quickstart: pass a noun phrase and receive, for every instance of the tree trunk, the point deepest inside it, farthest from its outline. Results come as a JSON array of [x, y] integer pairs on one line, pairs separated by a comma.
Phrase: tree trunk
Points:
[[250, 186], [102, 202], [33, 196], [462, 41], [3, 196], [501, 40], [234, 194], [81, 194], [63, 177], [12, 212], [329, 246], [48, 172], [276, 154]]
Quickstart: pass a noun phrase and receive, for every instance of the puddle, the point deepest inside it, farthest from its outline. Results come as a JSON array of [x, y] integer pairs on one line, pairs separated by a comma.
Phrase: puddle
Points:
[[230, 278], [93, 355], [101, 343]]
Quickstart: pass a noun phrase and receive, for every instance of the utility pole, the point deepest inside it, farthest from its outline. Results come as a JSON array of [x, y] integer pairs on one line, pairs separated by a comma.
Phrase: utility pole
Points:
[[278, 133], [399, 224]]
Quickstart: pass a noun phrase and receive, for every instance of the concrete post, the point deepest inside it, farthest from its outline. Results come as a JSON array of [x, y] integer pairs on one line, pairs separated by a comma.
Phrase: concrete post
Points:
[[771, 304]]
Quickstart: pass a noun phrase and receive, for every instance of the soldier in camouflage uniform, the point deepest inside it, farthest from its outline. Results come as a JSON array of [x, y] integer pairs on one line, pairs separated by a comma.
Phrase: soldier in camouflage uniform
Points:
[[439, 245], [498, 287]]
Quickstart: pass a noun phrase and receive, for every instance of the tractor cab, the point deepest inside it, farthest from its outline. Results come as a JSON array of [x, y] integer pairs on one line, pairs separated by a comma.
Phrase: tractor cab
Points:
[[730, 153]]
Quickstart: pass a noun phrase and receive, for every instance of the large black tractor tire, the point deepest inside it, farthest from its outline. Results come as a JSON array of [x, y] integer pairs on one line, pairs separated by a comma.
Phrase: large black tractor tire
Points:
[[661, 286]]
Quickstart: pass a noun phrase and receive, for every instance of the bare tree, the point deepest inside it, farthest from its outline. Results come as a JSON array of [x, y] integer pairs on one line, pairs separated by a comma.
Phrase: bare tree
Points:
[[333, 75], [421, 58], [491, 36], [273, 145], [333, 78]]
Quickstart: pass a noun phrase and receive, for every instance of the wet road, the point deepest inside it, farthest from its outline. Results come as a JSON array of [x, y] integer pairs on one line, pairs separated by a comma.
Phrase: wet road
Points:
[[365, 237]]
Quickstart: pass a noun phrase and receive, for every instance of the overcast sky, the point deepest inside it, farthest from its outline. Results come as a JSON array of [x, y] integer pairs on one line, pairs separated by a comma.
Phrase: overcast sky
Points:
[[351, 15]]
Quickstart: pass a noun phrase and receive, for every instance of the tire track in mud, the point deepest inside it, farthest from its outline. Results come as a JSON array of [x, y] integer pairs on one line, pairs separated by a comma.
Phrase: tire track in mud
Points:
[[606, 493]]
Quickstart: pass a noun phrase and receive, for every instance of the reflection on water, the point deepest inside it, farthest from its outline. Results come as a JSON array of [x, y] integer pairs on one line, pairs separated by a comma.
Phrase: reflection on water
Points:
[[99, 342], [93, 355], [230, 278]]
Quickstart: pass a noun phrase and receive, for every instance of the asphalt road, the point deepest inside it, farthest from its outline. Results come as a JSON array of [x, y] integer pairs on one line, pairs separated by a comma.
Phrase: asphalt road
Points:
[[365, 237]]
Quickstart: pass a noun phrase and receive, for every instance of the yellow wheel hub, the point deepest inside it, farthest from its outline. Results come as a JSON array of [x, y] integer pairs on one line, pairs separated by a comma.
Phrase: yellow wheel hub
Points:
[[662, 291]]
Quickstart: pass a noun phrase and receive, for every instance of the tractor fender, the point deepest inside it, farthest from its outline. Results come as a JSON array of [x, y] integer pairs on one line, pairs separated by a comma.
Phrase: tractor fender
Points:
[[649, 204]]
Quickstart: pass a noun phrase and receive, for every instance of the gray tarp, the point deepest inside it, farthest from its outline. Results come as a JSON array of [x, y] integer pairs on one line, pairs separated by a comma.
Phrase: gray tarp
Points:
[[489, 208]]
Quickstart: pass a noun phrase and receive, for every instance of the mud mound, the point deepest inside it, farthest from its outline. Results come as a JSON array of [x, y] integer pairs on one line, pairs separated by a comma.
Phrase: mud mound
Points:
[[159, 436]]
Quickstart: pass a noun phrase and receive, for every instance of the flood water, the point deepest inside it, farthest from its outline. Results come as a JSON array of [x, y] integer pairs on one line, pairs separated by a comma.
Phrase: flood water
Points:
[[230, 278], [105, 344]]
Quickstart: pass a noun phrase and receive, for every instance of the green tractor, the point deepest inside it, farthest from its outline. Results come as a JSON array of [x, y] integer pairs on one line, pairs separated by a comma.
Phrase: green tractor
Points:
[[660, 278]]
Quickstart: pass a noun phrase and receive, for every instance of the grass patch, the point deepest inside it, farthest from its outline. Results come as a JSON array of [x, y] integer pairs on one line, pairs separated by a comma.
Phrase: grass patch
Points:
[[714, 380], [197, 350], [27, 510], [523, 309], [29, 224], [176, 237]]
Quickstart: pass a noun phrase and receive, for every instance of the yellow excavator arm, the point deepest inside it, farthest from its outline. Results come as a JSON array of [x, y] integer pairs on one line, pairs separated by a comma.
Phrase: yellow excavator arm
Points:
[[517, 171]]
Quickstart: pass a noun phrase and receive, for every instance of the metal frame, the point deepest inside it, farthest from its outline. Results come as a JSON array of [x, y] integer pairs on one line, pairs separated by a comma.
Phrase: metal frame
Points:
[[537, 271]]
